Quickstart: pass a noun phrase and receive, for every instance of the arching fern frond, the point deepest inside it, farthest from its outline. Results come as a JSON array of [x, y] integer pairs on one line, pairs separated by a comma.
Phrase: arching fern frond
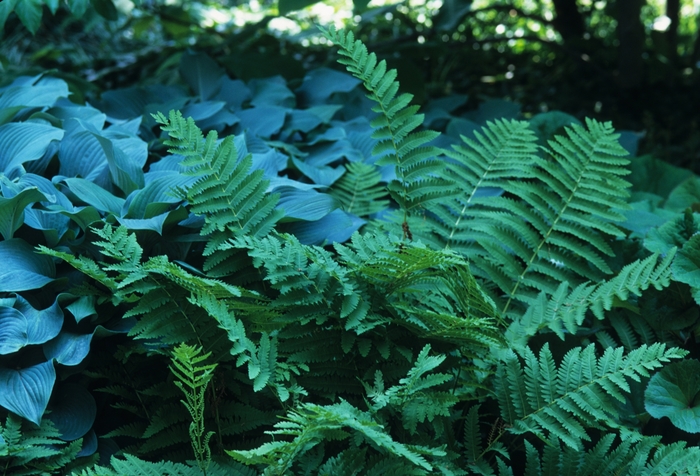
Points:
[[582, 392], [232, 199], [554, 227], [359, 191], [566, 308], [501, 151], [420, 175]]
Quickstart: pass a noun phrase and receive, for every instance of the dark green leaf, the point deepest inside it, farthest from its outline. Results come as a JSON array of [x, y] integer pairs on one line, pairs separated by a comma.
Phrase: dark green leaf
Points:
[[674, 392], [106, 9]]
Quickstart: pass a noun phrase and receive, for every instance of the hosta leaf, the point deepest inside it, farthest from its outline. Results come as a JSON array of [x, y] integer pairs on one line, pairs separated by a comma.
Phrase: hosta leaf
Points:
[[12, 210], [22, 142], [71, 348], [320, 84], [674, 392], [263, 121], [29, 13], [26, 391], [95, 195], [38, 92], [305, 204], [202, 74], [73, 411], [23, 269]]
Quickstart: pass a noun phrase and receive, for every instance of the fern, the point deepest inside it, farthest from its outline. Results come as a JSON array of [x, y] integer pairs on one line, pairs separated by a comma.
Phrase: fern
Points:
[[415, 396], [311, 424], [34, 451], [132, 466], [359, 191], [502, 151], [419, 172], [192, 379], [552, 220], [581, 393], [232, 199], [566, 309]]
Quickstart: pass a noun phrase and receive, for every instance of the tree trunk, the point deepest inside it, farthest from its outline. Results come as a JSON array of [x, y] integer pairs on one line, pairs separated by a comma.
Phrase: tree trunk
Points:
[[673, 12], [568, 21], [630, 33]]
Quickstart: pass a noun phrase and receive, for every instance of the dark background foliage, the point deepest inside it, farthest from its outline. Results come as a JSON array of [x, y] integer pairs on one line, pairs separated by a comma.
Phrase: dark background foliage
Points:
[[628, 61]]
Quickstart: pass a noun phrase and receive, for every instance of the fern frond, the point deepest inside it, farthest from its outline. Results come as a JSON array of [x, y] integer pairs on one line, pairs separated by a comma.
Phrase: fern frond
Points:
[[310, 424], [32, 450], [501, 151], [192, 378], [581, 393], [566, 309], [359, 191], [232, 199], [420, 175], [552, 221]]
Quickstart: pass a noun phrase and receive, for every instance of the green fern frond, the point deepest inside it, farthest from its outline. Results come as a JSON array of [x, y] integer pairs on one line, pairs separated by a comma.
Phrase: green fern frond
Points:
[[419, 172], [501, 151], [311, 424], [359, 191], [133, 466], [31, 450], [192, 378], [231, 197], [553, 220], [566, 309], [581, 393]]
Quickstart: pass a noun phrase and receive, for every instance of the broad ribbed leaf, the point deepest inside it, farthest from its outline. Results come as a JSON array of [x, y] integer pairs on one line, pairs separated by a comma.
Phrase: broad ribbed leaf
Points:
[[674, 392], [305, 204], [95, 195], [73, 411], [22, 142], [12, 210], [202, 74], [26, 391], [22, 268]]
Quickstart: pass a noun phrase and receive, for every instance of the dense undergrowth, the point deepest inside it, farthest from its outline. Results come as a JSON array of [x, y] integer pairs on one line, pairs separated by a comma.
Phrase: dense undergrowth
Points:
[[323, 284]]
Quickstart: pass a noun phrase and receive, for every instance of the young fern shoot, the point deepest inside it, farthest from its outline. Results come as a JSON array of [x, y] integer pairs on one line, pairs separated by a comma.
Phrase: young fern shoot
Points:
[[192, 379]]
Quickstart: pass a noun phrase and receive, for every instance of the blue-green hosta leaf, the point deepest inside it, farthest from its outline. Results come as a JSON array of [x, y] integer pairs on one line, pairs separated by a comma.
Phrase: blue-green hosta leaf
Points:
[[38, 92], [271, 92], [82, 307], [271, 162], [233, 92], [305, 204], [22, 268], [95, 195], [672, 233], [12, 210], [26, 391], [202, 110], [674, 392], [202, 74], [78, 7], [53, 224], [319, 174], [125, 158], [90, 444], [22, 325], [156, 223], [29, 13], [22, 142], [336, 227], [73, 411], [157, 197], [263, 121], [684, 195], [320, 84], [71, 348]]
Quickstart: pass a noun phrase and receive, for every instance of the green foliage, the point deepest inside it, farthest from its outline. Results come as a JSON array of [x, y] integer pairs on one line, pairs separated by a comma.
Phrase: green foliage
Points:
[[583, 392], [193, 379], [227, 193], [476, 286], [38, 450], [417, 168]]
